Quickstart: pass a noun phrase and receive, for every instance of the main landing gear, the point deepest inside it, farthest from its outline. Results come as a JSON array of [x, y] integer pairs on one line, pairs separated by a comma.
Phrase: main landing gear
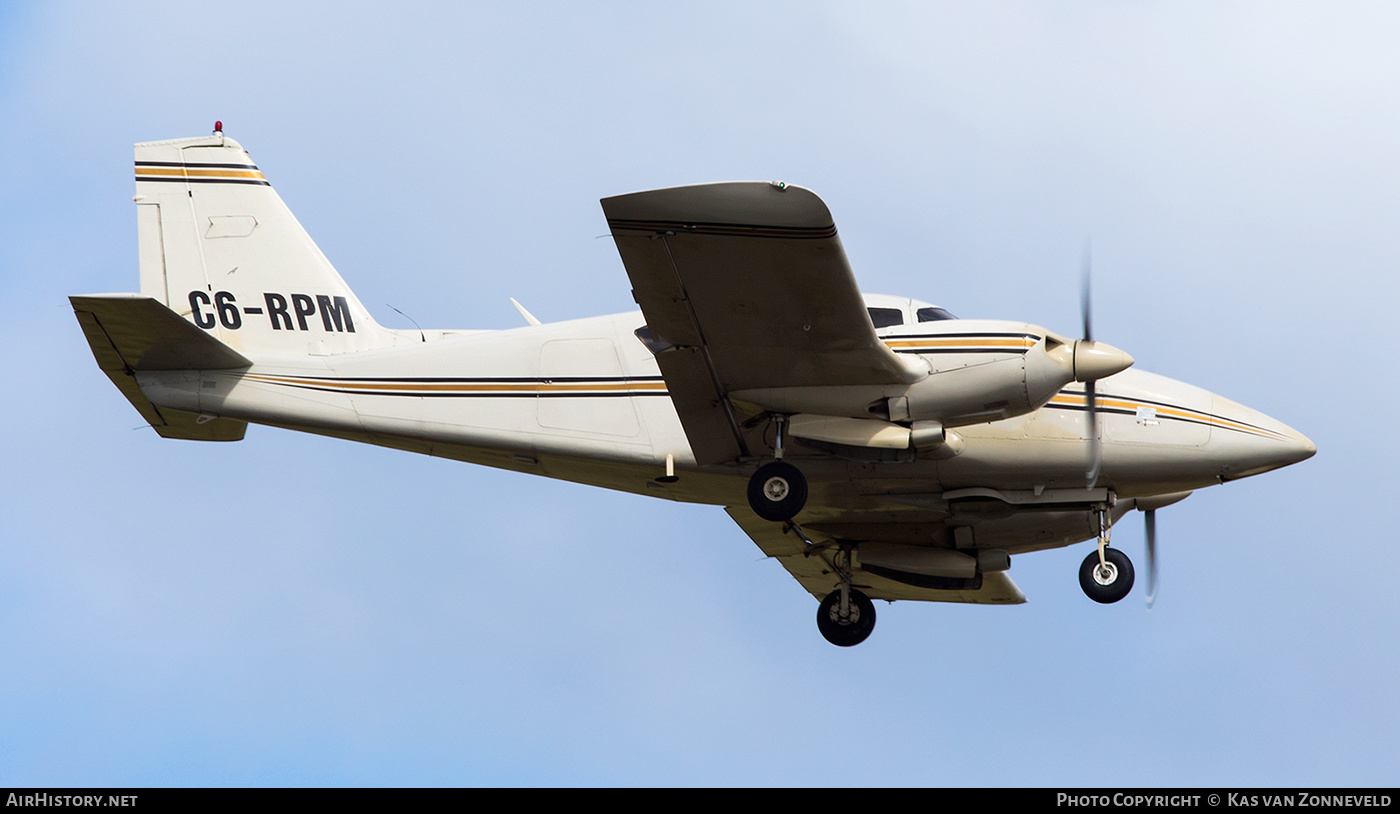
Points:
[[1106, 575], [846, 617], [777, 491]]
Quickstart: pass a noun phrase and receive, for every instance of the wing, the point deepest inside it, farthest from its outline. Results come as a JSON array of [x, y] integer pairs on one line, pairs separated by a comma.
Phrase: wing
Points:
[[815, 572], [744, 285]]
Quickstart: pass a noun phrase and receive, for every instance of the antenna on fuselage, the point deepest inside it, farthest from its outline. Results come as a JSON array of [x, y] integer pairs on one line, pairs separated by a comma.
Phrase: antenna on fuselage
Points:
[[529, 317], [411, 319]]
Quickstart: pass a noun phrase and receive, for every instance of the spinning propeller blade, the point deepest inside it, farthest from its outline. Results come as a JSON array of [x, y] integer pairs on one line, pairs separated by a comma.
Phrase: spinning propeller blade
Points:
[[1094, 361], [1085, 300], [1095, 453], [1090, 394], [1150, 522]]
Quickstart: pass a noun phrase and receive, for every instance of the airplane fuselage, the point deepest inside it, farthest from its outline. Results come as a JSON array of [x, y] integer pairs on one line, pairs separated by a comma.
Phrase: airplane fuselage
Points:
[[584, 400]]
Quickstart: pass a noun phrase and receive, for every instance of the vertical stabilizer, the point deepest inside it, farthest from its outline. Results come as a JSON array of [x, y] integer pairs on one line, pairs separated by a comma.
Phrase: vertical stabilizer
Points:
[[218, 246]]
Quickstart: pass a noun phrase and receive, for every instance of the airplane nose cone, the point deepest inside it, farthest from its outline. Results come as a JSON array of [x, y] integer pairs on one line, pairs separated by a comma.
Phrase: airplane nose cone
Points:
[[1299, 448], [1257, 443], [1098, 360]]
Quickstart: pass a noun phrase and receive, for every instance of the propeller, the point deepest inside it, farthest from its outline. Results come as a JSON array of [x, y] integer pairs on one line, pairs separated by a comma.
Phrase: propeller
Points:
[[1090, 395], [1149, 518], [1093, 361], [1149, 506]]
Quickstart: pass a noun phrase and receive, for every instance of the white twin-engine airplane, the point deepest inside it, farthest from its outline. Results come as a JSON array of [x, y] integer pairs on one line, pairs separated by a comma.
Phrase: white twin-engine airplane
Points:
[[878, 447]]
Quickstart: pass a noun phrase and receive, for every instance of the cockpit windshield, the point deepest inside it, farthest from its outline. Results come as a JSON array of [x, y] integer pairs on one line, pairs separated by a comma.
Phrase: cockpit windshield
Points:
[[885, 317], [933, 314], [890, 312]]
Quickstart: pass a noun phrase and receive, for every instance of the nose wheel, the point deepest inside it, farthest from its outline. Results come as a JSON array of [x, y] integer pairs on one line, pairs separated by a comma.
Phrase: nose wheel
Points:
[[1107, 581]]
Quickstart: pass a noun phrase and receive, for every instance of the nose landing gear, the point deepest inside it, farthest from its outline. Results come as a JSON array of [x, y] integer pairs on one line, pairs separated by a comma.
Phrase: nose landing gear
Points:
[[1106, 575]]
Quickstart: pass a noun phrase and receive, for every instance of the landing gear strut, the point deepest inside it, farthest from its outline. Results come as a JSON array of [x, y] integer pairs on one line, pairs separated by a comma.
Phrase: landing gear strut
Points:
[[1106, 575], [777, 491], [846, 617]]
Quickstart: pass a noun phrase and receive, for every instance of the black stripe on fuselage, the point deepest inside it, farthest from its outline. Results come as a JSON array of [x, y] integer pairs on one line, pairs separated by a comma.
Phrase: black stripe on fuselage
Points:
[[1168, 406], [486, 379], [969, 335], [429, 394], [197, 166], [959, 350], [182, 179], [1158, 417], [1219, 422]]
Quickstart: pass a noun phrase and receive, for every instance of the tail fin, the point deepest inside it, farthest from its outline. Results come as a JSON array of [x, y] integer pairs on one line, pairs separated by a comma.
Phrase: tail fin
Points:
[[218, 246]]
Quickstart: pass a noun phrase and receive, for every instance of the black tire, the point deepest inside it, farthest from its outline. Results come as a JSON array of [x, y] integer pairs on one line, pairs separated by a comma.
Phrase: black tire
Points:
[[853, 631], [1106, 587], [777, 491]]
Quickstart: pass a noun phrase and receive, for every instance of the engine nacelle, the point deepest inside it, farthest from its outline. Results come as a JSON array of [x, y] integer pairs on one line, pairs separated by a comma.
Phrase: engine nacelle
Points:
[[979, 371]]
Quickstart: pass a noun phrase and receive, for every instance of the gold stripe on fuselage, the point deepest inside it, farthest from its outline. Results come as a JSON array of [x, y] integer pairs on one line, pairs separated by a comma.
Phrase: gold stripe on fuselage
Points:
[[189, 172], [522, 388], [1183, 413]]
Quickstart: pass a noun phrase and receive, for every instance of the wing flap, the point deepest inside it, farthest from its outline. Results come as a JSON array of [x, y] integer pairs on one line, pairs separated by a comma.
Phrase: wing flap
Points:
[[815, 574], [710, 423]]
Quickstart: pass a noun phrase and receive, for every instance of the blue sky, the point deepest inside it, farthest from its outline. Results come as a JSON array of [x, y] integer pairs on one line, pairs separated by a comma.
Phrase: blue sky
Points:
[[297, 610]]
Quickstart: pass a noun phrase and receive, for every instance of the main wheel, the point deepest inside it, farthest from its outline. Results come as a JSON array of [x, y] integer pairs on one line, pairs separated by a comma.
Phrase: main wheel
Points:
[[852, 631], [1109, 582], [777, 491]]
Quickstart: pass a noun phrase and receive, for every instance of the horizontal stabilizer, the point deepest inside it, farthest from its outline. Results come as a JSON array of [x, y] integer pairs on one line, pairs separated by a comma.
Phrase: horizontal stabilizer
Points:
[[128, 333], [146, 335]]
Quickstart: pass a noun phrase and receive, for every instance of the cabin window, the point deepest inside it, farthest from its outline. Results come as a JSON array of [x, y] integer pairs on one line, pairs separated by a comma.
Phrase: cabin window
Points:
[[934, 314], [885, 317]]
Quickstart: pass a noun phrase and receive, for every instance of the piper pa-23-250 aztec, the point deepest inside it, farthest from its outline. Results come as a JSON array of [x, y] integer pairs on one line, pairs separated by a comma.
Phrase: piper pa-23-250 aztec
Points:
[[877, 447]]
